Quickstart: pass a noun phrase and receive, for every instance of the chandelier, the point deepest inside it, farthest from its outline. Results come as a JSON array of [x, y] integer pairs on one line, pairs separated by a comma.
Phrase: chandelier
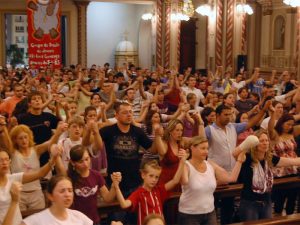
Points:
[[185, 10], [292, 3], [204, 10], [244, 8]]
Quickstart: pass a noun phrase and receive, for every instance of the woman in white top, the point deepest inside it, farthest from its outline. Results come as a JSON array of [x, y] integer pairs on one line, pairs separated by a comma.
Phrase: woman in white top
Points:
[[199, 181], [60, 193], [7, 180]]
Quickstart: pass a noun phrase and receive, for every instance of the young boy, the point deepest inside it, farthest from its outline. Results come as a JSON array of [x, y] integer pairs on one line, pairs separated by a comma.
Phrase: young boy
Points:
[[75, 133], [150, 197]]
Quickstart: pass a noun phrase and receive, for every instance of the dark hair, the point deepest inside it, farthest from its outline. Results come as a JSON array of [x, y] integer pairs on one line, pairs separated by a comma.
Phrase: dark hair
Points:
[[148, 121], [255, 95], [76, 154], [54, 181], [87, 110], [128, 89], [206, 112], [34, 93], [118, 104], [21, 108], [238, 117], [241, 89], [94, 94], [279, 125], [221, 108], [119, 74]]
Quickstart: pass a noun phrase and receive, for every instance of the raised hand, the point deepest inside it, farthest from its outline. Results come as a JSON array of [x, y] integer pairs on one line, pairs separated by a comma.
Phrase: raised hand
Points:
[[15, 190]]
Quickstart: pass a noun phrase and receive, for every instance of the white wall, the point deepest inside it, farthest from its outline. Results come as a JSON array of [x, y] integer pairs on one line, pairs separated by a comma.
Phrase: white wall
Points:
[[106, 24]]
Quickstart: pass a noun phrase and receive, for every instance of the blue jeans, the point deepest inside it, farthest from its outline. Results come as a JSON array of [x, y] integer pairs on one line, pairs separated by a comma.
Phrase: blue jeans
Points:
[[255, 210]]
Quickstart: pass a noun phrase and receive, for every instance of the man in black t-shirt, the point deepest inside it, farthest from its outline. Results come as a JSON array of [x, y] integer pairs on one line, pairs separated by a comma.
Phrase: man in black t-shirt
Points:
[[122, 142], [41, 123]]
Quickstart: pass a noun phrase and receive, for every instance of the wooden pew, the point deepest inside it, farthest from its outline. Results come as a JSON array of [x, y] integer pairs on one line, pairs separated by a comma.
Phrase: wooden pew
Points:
[[293, 219], [230, 190]]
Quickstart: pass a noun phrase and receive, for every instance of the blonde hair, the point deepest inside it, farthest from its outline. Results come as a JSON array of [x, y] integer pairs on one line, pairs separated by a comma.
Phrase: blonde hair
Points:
[[170, 127], [16, 131], [151, 163], [253, 151], [196, 140], [76, 120]]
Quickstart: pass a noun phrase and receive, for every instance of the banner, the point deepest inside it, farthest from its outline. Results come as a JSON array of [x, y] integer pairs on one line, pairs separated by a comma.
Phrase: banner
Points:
[[44, 32]]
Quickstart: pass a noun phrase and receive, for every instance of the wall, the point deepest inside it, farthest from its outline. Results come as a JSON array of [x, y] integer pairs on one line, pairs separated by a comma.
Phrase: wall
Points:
[[106, 24], [19, 6]]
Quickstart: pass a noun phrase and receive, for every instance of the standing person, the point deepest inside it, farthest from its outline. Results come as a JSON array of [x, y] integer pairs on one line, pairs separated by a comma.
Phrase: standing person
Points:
[[283, 137], [199, 181], [150, 197], [9, 103], [191, 88], [87, 183], [60, 194], [41, 123], [222, 138], [257, 178], [25, 158], [122, 143], [7, 179]]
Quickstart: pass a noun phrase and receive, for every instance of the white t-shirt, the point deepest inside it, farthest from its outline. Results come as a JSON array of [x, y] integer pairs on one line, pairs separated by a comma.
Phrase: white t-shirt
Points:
[[5, 198], [264, 124], [45, 217]]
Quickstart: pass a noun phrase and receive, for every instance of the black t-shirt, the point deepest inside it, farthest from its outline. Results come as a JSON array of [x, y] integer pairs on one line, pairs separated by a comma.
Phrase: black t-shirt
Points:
[[41, 126], [123, 153], [246, 176], [244, 106]]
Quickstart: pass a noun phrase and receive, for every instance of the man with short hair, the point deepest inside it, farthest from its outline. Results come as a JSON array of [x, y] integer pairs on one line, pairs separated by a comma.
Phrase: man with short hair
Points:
[[9, 104], [191, 88], [222, 138], [41, 123]]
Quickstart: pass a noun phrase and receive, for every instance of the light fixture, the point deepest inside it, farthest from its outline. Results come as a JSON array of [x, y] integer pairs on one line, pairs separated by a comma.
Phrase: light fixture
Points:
[[183, 12], [292, 3], [204, 10], [244, 8], [179, 16], [188, 8], [147, 16]]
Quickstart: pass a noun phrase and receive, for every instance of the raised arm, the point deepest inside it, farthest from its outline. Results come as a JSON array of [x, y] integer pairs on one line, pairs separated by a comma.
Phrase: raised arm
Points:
[[254, 120], [172, 183], [223, 176], [272, 132], [124, 203], [160, 146]]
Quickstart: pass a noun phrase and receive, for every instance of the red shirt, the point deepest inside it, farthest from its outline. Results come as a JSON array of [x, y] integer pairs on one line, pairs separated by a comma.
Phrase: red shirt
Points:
[[145, 202]]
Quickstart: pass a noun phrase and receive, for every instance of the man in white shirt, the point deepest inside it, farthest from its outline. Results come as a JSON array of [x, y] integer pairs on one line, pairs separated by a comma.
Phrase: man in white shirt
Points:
[[191, 88]]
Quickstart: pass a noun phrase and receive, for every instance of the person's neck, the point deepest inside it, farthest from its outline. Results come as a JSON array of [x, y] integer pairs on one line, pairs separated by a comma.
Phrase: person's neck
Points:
[[84, 173], [59, 212], [260, 156], [74, 138], [3, 179], [36, 111], [123, 127], [196, 162], [146, 187], [25, 151], [220, 125], [191, 87]]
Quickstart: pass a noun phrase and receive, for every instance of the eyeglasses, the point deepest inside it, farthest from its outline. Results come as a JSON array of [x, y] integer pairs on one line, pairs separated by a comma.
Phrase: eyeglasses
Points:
[[5, 160]]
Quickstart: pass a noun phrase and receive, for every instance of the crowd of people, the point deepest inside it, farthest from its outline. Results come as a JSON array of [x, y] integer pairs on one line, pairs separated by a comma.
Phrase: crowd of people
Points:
[[136, 136]]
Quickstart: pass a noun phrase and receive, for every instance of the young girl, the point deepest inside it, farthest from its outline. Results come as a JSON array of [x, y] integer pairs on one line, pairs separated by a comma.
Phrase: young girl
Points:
[[150, 197], [87, 183], [7, 179], [60, 193]]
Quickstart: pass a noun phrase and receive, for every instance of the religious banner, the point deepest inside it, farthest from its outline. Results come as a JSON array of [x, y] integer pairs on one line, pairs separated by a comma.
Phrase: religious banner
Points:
[[44, 32]]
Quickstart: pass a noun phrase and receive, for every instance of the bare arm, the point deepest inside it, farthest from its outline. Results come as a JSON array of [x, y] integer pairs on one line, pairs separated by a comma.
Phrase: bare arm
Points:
[[160, 145], [272, 132], [172, 183], [14, 204], [254, 120], [108, 195], [288, 162]]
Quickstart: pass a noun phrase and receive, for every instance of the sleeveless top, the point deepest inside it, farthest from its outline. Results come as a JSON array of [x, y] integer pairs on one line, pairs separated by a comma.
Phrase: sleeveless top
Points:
[[198, 194], [169, 166], [286, 149], [20, 163]]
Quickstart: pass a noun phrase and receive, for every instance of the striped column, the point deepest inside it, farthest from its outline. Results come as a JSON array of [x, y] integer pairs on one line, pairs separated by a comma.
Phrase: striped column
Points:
[[244, 34], [178, 45], [82, 29], [167, 34], [229, 33], [219, 37], [297, 41], [159, 33]]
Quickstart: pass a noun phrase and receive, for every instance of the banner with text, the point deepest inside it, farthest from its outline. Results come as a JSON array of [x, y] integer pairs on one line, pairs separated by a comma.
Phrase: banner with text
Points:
[[44, 32]]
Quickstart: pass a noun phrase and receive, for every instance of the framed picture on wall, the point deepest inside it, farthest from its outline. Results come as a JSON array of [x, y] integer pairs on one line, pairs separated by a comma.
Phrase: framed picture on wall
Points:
[[20, 29]]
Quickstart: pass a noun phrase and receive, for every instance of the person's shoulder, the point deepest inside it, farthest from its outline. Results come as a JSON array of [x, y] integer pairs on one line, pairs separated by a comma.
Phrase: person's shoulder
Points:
[[79, 215], [109, 127]]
